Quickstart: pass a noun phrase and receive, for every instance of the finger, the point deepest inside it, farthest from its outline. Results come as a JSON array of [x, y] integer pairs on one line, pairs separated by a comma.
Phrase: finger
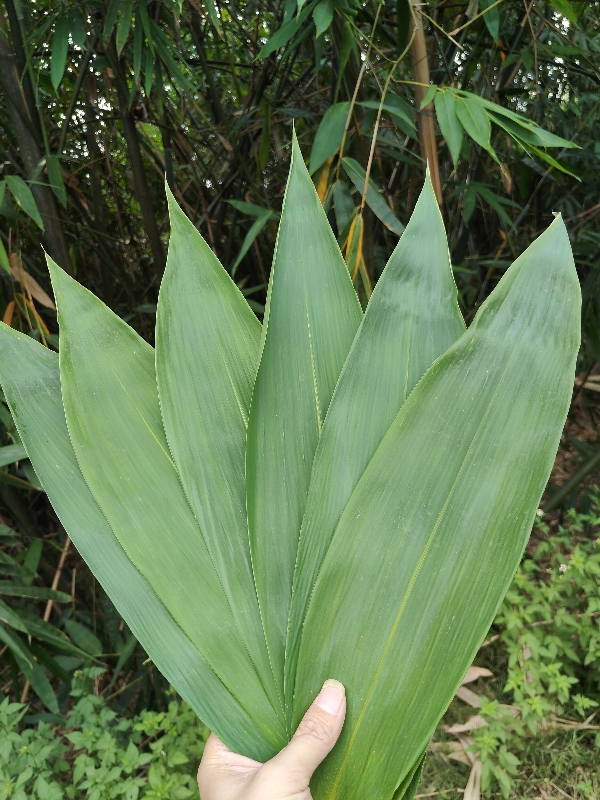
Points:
[[315, 737], [216, 753]]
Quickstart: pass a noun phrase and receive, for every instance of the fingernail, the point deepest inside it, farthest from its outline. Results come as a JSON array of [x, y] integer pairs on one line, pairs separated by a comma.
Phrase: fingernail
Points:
[[330, 697]]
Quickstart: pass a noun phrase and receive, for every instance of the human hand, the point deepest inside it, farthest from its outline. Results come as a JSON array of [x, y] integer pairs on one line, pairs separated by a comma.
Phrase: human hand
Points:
[[224, 775]]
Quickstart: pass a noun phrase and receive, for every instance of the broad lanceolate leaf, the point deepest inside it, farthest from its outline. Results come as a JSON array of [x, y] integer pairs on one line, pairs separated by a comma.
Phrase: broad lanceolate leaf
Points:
[[30, 379], [111, 404], [207, 345], [474, 120], [431, 536], [311, 318], [451, 129], [123, 24], [491, 18], [323, 15], [60, 47], [329, 135], [24, 197], [411, 319]]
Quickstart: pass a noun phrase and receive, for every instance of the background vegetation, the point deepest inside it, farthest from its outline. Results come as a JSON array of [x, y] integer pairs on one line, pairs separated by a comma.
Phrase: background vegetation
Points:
[[100, 101]]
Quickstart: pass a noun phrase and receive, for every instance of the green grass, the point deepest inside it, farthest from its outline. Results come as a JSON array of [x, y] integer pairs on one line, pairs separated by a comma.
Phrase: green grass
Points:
[[554, 764]]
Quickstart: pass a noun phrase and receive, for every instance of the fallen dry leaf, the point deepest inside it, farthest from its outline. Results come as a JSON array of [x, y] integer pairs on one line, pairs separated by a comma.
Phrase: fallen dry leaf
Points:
[[469, 697], [29, 283], [473, 787], [473, 673], [472, 724]]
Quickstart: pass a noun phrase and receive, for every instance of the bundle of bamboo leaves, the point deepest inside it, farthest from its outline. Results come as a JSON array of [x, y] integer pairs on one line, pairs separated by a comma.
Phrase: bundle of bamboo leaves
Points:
[[337, 494]]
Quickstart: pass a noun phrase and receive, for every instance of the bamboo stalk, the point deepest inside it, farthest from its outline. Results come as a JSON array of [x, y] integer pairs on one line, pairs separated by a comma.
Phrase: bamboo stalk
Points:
[[425, 123]]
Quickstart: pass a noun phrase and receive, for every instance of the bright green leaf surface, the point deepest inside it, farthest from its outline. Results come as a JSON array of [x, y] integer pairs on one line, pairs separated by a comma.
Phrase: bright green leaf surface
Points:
[[207, 345], [474, 120], [30, 379], [328, 137], [491, 18], [123, 24], [390, 353], [451, 129], [311, 318], [24, 197], [111, 404], [60, 47], [446, 503], [323, 15]]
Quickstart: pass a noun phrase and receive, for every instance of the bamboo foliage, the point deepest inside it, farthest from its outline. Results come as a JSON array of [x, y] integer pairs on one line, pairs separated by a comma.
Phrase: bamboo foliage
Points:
[[391, 465]]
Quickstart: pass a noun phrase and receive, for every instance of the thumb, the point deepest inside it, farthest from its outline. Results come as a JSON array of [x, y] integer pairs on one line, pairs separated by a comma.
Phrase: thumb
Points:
[[315, 737]]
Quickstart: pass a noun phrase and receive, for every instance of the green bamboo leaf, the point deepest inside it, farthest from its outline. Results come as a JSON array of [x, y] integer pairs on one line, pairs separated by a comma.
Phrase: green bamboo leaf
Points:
[[251, 209], [281, 36], [48, 633], [4, 262], [12, 480], [553, 162], [431, 536], [12, 453], [451, 129], [14, 644], [110, 18], [11, 589], [123, 24], [429, 95], [373, 199], [111, 404], [474, 120], [521, 131], [343, 206], [60, 47], [77, 25], [565, 8], [149, 68], [491, 18], [256, 228], [399, 109], [415, 293], [138, 45], [124, 657], [203, 319], [328, 137], [40, 684], [29, 375], [82, 636], [11, 618], [24, 197], [323, 16], [311, 317], [211, 8], [544, 137], [56, 179]]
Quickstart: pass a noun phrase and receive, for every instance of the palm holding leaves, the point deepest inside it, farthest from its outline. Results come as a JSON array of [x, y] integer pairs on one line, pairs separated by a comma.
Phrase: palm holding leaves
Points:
[[335, 496]]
